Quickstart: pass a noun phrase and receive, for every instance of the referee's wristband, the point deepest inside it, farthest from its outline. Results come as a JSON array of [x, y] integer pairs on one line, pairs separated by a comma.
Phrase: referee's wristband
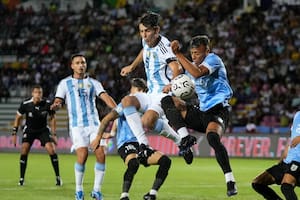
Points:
[[15, 130]]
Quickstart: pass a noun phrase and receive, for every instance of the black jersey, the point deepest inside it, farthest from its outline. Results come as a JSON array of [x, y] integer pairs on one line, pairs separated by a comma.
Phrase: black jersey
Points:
[[36, 114]]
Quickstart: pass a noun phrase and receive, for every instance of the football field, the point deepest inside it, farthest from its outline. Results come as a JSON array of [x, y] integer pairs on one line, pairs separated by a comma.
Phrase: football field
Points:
[[203, 180]]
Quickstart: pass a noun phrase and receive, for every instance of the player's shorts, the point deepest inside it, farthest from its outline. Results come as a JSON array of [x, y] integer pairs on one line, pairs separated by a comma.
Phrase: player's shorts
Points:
[[128, 148], [294, 170], [150, 102], [277, 171], [199, 120], [43, 135], [83, 136]]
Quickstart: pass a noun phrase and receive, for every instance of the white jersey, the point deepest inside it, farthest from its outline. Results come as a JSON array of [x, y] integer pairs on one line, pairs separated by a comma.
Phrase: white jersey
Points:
[[79, 95], [156, 60]]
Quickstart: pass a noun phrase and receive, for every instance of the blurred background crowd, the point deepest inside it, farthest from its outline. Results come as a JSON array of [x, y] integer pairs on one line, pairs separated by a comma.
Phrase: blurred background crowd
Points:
[[259, 42]]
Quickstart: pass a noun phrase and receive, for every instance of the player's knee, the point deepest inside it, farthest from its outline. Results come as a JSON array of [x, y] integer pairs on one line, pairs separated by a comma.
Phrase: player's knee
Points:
[[213, 139], [166, 102], [165, 162], [133, 165]]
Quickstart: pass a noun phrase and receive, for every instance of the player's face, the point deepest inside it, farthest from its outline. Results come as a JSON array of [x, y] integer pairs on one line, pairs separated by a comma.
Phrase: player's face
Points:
[[198, 54], [149, 34], [79, 66], [37, 94]]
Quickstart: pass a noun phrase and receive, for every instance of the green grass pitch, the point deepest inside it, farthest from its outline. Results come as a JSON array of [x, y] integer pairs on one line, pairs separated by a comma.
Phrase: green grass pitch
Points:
[[203, 180]]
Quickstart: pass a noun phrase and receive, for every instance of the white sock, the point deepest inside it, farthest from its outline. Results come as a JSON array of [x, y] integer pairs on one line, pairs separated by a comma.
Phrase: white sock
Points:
[[153, 192], [124, 194], [164, 129], [135, 123], [229, 177], [183, 132], [99, 176], [79, 174]]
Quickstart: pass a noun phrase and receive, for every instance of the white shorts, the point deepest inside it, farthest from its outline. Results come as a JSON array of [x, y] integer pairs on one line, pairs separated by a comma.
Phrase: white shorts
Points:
[[150, 102], [83, 136]]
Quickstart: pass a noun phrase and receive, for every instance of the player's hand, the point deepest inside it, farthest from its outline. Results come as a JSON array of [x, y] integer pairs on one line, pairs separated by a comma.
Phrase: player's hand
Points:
[[125, 71], [95, 143], [167, 88], [55, 106], [54, 138], [14, 140], [175, 46]]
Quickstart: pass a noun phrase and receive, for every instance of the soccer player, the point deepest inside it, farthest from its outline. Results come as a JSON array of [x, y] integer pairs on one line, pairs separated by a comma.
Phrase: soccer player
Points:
[[36, 110], [292, 174], [79, 92], [129, 149], [161, 66], [213, 90]]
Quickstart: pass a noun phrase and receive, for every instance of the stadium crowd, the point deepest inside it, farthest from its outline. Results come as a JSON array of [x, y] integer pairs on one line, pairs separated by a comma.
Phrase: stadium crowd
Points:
[[259, 45]]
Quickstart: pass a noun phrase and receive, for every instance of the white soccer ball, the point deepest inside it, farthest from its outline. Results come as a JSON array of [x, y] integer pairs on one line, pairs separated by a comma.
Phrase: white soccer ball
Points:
[[182, 86]]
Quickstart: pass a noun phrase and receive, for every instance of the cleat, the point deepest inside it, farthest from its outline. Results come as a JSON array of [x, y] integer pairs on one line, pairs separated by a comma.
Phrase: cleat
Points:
[[188, 156], [149, 196], [231, 188], [79, 195], [96, 195], [186, 143], [59, 181], [124, 198], [21, 182]]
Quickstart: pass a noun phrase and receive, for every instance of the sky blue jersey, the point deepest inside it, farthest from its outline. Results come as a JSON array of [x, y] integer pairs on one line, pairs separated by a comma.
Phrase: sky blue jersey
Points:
[[294, 153], [124, 133], [213, 88]]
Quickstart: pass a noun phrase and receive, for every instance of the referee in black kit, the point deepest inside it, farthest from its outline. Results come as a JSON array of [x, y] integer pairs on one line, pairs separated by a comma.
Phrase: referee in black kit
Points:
[[36, 110]]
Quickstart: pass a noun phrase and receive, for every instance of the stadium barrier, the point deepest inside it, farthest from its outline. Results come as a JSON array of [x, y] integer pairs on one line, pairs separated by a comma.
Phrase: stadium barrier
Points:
[[238, 145]]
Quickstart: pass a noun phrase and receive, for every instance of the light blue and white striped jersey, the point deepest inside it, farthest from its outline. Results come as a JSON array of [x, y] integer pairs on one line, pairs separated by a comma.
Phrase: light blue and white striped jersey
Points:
[[156, 61], [124, 133], [79, 95], [294, 153], [213, 88]]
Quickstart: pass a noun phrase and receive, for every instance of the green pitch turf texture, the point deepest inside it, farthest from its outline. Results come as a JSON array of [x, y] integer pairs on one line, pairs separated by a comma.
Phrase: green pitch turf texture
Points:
[[203, 180]]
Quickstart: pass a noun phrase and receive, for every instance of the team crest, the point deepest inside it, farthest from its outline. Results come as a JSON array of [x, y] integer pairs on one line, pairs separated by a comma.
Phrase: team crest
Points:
[[294, 167], [80, 85]]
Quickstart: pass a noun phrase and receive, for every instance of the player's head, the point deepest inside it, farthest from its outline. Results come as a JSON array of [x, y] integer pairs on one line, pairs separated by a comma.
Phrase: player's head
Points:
[[199, 48], [149, 28], [78, 64], [37, 92], [140, 84]]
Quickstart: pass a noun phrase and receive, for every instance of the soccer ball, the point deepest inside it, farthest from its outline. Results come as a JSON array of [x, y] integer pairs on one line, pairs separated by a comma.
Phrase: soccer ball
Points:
[[182, 86]]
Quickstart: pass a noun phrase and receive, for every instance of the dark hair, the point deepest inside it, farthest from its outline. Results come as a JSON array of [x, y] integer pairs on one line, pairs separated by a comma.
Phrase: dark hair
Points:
[[149, 19], [76, 55], [139, 83], [36, 87], [199, 40]]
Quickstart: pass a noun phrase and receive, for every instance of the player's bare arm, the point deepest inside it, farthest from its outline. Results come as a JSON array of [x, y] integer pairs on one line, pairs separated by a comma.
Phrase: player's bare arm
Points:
[[52, 122], [176, 69], [125, 71], [108, 100], [17, 122], [57, 104]]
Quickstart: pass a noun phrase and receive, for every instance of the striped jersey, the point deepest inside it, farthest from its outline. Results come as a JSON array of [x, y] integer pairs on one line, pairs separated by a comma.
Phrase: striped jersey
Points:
[[156, 60], [213, 88], [79, 95], [124, 133], [294, 153]]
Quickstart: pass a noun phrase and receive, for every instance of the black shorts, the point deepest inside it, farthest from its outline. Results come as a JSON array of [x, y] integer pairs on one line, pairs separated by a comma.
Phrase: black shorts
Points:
[[43, 135], [128, 148], [294, 170], [277, 171], [199, 120]]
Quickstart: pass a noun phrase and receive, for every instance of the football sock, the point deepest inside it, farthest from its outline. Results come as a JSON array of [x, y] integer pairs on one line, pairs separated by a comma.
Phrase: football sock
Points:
[[133, 166], [266, 191], [183, 132], [23, 165], [164, 129], [54, 161], [135, 123], [172, 113], [124, 194], [162, 172], [99, 170], [220, 151], [288, 191], [229, 177], [79, 173]]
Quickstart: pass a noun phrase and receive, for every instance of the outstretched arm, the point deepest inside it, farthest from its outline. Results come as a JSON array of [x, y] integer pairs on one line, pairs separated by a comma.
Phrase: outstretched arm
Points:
[[127, 69]]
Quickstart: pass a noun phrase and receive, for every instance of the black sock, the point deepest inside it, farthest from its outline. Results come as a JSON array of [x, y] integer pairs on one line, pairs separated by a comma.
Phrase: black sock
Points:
[[220, 151], [54, 161], [133, 166], [173, 115], [162, 172], [265, 191], [288, 191], [23, 165]]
